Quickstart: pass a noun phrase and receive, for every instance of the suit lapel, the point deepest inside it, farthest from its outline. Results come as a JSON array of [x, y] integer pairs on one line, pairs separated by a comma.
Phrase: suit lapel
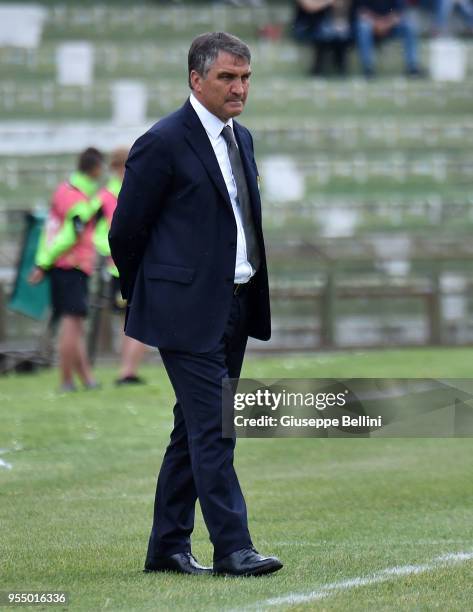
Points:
[[197, 138], [251, 178]]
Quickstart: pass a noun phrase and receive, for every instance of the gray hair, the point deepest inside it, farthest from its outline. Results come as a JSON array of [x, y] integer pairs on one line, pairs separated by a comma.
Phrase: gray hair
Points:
[[206, 47]]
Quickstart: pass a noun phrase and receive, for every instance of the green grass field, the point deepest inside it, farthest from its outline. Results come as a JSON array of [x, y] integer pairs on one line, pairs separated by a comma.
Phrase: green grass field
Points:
[[76, 505]]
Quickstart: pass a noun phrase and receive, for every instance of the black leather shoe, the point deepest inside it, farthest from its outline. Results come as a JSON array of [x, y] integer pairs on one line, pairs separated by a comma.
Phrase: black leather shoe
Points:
[[246, 562], [182, 563]]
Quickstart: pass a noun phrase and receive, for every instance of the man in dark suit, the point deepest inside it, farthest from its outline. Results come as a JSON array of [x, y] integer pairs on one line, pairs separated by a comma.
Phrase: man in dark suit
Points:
[[188, 243]]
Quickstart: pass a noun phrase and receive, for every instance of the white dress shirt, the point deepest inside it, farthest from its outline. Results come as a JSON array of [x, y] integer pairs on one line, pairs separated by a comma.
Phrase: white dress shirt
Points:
[[214, 126]]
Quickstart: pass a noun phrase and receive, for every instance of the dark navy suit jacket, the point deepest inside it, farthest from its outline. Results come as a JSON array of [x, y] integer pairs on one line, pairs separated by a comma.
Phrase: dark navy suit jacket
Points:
[[173, 238]]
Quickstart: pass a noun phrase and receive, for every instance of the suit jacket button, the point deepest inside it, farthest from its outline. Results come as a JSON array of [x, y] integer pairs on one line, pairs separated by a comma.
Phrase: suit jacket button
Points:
[[233, 244]]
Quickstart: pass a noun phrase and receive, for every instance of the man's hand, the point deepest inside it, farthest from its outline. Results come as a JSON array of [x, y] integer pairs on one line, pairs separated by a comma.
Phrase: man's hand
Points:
[[381, 27], [36, 276], [382, 24], [314, 6]]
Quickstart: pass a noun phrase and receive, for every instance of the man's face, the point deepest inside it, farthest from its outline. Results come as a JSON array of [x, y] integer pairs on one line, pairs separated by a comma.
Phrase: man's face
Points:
[[223, 91]]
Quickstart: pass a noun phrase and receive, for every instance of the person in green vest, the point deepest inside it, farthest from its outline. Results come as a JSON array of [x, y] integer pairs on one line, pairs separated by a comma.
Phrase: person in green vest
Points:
[[66, 252], [132, 351]]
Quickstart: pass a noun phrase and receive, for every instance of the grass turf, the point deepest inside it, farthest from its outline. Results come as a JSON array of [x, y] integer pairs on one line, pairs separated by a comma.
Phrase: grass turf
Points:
[[76, 506]]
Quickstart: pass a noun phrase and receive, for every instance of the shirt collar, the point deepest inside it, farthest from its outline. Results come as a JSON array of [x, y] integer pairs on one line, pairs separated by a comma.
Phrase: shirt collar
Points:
[[212, 124], [83, 183]]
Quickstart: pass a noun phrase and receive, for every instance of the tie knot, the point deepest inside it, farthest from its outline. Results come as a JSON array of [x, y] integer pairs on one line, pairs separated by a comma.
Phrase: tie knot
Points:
[[227, 134]]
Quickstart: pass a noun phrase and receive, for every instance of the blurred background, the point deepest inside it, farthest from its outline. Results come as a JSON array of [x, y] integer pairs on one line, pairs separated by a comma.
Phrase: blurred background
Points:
[[366, 169]]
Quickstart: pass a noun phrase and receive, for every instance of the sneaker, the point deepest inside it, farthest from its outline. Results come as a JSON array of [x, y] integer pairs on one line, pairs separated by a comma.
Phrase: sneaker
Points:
[[369, 73], [416, 73], [130, 380], [90, 386], [67, 388]]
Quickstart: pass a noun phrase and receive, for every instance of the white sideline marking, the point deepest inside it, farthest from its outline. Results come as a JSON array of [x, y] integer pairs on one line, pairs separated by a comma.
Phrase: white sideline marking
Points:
[[5, 464], [332, 588], [324, 543]]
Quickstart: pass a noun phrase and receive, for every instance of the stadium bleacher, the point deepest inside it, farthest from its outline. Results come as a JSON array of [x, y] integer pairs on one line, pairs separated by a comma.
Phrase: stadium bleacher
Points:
[[391, 155]]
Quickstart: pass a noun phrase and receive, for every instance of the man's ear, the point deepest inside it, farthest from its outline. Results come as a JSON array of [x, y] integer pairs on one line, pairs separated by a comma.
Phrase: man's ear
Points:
[[196, 81]]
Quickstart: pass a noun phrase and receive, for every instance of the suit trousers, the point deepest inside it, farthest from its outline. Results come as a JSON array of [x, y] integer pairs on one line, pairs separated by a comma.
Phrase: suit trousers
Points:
[[198, 462]]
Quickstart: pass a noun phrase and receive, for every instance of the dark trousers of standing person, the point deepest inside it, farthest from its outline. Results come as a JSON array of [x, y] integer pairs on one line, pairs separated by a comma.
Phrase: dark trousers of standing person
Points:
[[335, 50], [198, 462]]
